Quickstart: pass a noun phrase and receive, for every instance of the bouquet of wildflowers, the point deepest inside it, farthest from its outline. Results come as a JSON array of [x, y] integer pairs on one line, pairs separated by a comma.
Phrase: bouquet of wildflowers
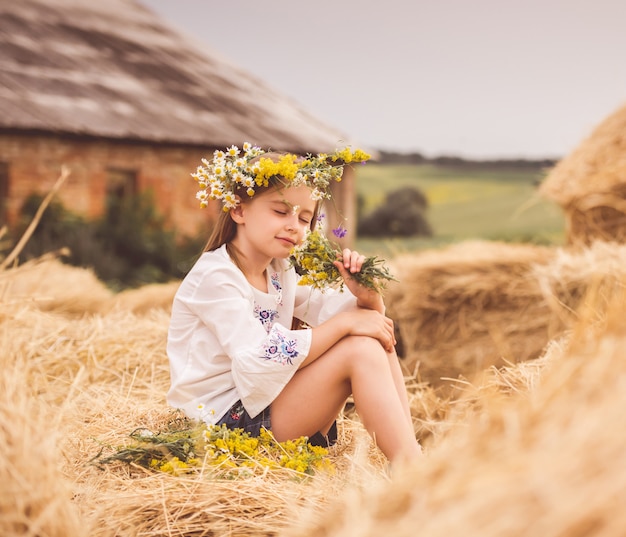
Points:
[[230, 453], [313, 261]]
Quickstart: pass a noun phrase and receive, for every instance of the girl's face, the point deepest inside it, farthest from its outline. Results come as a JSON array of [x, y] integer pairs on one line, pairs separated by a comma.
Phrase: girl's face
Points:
[[273, 222]]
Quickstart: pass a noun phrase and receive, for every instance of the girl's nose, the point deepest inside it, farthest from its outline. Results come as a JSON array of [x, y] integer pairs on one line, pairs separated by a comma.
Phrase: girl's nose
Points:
[[292, 223]]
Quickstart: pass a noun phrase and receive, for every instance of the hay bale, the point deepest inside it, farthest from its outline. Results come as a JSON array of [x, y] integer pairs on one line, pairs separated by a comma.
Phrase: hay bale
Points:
[[35, 495], [97, 378], [51, 285], [462, 309], [590, 184], [73, 385], [146, 297], [474, 305], [550, 460], [572, 273]]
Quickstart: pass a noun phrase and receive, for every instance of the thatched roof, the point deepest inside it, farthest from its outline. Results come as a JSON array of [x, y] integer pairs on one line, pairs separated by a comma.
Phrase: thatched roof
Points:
[[115, 70], [596, 166]]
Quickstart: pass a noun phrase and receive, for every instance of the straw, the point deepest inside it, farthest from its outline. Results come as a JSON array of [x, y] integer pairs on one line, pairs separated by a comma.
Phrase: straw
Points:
[[527, 445], [590, 184]]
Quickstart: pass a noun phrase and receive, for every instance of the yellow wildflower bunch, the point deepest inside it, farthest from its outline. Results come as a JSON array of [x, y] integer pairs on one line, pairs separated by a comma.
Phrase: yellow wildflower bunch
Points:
[[348, 156], [299, 455], [231, 172], [314, 260], [286, 168], [230, 452]]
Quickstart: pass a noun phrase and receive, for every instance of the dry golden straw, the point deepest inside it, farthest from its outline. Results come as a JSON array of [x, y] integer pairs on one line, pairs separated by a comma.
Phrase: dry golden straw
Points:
[[464, 308], [529, 442], [590, 184], [532, 447], [545, 457]]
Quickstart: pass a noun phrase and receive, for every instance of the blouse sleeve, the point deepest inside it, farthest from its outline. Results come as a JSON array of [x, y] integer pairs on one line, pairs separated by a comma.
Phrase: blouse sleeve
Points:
[[315, 307], [262, 362]]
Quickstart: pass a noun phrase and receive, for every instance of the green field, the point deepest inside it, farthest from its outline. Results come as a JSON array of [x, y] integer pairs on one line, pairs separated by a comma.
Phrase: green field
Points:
[[464, 203]]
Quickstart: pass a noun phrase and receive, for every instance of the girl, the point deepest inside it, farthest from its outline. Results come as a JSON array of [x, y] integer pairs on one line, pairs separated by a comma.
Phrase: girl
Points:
[[235, 358]]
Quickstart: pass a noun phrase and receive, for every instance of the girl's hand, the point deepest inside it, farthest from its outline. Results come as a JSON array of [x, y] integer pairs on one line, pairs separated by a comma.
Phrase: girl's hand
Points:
[[351, 263], [366, 322], [352, 260]]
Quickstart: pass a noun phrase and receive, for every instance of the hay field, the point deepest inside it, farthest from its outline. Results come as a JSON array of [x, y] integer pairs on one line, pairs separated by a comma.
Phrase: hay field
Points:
[[521, 414]]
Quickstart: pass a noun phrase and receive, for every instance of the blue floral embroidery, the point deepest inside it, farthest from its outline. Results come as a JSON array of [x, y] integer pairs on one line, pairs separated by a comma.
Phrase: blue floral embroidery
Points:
[[279, 349], [276, 284], [266, 317]]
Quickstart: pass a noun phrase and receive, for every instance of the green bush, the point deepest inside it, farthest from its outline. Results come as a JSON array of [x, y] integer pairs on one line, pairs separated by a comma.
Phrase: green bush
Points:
[[130, 245], [401, 215]]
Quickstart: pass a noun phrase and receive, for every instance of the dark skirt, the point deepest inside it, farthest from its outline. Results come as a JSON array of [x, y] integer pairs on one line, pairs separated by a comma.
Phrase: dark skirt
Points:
[[238, 418]]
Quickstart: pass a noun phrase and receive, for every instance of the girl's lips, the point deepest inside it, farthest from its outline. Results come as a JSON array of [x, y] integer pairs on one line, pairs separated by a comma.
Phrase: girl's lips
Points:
[[289, 242]]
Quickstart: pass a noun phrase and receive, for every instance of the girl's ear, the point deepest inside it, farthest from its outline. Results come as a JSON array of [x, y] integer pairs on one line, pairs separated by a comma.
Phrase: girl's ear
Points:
[[236, 213]]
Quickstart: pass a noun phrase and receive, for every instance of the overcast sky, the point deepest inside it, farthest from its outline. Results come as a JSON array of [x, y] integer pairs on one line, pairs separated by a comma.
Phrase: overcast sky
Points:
[[475, 78]]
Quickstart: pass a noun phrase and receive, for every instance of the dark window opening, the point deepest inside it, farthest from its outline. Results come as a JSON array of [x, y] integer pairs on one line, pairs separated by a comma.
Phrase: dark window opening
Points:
[[121, 184], [4, 193]]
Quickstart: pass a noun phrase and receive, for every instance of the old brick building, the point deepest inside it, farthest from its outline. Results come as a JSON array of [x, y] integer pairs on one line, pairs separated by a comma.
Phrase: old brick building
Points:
[[128, 104]]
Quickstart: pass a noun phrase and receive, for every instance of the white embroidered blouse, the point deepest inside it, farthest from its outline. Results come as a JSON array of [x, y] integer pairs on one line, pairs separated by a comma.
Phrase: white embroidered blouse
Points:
[[228, 341]]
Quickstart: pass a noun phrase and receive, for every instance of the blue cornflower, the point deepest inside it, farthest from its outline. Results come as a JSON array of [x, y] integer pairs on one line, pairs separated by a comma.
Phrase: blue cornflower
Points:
[[340, 232]]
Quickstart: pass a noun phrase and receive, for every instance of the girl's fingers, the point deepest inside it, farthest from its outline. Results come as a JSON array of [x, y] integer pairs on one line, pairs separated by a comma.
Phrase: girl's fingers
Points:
[[352, 261], [391, 330], [347, 258], [342, 269], [387, 337]]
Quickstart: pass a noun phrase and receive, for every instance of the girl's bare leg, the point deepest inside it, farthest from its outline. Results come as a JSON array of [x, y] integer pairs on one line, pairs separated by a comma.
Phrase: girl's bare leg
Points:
[[398, 378], [317, 393]]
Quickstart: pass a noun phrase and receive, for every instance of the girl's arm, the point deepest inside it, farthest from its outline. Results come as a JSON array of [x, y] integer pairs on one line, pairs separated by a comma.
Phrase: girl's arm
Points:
[[358, 322]]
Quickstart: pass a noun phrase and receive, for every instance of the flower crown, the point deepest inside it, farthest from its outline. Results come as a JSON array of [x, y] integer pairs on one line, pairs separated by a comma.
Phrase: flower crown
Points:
[[231, 172]]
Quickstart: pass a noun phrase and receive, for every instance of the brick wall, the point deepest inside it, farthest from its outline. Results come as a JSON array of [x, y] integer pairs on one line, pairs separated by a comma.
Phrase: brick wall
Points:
[[34, 163]]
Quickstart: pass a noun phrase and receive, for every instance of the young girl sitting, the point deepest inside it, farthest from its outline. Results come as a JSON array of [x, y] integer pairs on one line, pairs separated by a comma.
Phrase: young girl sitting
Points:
[[235, 357]]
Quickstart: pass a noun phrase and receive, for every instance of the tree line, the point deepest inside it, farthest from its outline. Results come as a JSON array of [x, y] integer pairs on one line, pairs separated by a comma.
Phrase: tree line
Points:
[[390, 157]]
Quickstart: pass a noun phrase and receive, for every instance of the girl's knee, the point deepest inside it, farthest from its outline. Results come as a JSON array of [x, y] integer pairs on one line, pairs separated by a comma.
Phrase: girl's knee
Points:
[[363, 350]]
